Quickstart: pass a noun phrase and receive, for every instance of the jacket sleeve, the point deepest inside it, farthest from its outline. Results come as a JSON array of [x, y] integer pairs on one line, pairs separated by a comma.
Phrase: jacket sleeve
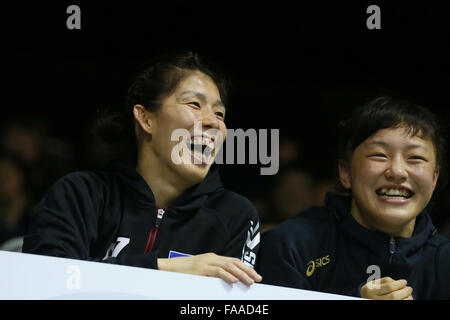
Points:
[[244, 230], [66, 222], [135, 260], [443, 272], [280, 262]]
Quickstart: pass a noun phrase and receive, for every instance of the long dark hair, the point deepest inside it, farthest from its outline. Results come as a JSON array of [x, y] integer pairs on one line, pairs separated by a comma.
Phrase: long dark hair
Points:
[[157, 79]]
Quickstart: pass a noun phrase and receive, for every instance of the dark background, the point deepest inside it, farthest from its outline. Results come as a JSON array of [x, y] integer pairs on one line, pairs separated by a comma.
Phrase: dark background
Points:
[[294, 66]]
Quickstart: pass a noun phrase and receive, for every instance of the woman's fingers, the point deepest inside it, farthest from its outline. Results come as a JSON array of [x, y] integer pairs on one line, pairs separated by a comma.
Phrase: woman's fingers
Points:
[[221, 273], [400, 294], [391, 286], [387, 289], [240, 271], [209, 264], [236, 268]]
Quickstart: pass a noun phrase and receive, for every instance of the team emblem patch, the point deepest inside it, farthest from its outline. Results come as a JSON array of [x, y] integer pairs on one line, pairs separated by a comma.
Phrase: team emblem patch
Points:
[[174, 254]]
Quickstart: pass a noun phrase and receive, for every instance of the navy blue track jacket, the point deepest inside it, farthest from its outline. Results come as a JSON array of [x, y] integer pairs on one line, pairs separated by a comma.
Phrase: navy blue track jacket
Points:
[[325, 249]]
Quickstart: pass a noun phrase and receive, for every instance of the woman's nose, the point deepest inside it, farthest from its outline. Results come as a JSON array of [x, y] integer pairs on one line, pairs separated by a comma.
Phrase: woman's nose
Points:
[[209, 120], [397, 170]]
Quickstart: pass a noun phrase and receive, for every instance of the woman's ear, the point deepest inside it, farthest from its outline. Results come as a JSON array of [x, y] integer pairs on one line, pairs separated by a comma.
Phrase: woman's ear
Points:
[[143, 117], [435, 177], [344, 174]]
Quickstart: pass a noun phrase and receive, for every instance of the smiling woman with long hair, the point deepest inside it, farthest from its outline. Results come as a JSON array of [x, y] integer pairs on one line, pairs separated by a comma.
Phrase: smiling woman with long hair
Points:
[[163, 209]]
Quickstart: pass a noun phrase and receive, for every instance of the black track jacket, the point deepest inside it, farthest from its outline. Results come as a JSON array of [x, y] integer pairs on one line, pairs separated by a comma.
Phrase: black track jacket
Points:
[[112, 216], [325, 249]]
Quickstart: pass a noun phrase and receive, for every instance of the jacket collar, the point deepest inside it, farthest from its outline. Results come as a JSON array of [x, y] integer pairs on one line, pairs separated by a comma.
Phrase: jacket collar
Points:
[[140, 192], [378, 243]]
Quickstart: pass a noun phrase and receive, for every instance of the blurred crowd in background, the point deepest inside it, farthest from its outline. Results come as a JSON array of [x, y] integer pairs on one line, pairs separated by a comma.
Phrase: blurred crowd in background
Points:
[[32, 159]]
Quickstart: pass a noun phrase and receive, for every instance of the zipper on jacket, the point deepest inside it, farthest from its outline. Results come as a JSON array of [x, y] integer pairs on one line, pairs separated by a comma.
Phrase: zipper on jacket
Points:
[[152, 237], [391, 248]]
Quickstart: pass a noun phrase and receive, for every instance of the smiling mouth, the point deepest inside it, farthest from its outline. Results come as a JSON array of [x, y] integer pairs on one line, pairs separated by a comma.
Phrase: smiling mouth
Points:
[[394, 193], [201, 149]]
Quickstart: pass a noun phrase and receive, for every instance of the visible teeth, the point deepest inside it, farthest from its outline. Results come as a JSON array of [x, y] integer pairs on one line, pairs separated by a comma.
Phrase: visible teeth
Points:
[[203, 142], [394, 192], [203, 148]]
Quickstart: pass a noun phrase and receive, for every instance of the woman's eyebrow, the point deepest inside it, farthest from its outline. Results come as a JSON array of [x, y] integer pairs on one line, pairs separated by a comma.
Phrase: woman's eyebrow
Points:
[[407, 146], [378, 143], [415, 146], [201, 97]]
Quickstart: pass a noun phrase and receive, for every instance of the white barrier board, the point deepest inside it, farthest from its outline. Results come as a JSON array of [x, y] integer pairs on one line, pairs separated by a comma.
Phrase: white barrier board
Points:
[[27, 276]]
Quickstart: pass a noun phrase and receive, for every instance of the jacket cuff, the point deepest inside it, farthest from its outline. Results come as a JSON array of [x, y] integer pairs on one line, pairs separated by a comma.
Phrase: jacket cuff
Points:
[[139, 260]]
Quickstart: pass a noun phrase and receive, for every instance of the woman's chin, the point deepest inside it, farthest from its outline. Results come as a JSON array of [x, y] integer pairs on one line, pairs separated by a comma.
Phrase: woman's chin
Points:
[[193, 173]]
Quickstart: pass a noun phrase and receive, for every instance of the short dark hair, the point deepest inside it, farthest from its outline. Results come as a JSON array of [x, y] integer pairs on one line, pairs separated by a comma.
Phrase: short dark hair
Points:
[[387, 112]]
